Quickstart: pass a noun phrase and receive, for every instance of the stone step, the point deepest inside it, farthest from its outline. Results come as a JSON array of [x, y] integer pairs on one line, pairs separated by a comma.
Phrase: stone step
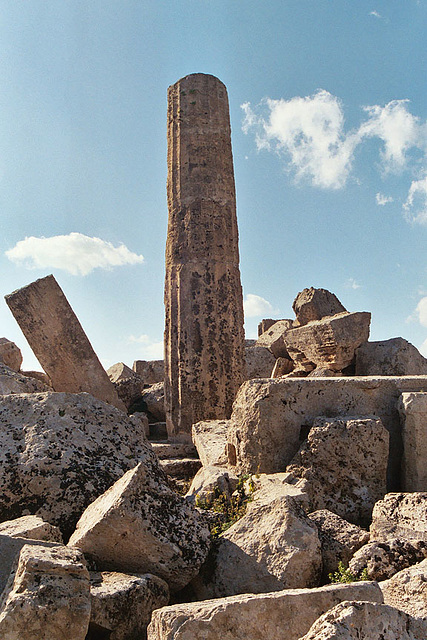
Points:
[[184, 468], [175, 450], [157, 431]]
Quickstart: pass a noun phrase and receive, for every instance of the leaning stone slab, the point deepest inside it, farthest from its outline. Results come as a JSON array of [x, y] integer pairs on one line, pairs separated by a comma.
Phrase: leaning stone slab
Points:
[[394, 357], [140, 525], [344, 461], [382, 560], [413, 411], [272, 417], [407, 590], [10, 354], [356, 620], [259, 362], [58, 340], [283, 614], [13, 382], [32, 527], [210, 439], [314, 304], [10, 548], [60, 451], [47, 597], [273, 338], [400, 515], [122, 603]]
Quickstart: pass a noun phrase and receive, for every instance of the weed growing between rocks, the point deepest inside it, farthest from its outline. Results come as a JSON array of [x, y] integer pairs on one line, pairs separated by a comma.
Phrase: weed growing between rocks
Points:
[[228, 509], [345, 575]]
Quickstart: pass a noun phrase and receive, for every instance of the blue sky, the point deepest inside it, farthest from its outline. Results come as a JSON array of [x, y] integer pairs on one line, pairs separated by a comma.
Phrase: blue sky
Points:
[[328, 110]]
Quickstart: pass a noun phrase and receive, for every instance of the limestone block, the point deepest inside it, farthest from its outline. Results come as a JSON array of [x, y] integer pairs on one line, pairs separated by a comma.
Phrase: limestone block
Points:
[[400, 515], [32, 527], [60, 451], [356, 620], [259, 362], [282, 367], [47, 597], [151, 371], [273, 338], [323, 372], [10, 548], [39, 375], [407, 590], [272, 417], [330, 342], [127, 383], [58, 340], [10, 354], [210, 439], [123, 603], [154, 399], [394, 357], [288, 613], [265, 324], [339, 539], [413, 411], [13, 382], [140, 525], [209, 482], [314, 304], [274, 546], [344, 461], [265, 487], [165, 450], [383, 559]]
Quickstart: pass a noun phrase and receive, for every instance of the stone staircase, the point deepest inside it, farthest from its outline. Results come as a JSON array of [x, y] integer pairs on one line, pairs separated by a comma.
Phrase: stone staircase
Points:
[[179, 461]]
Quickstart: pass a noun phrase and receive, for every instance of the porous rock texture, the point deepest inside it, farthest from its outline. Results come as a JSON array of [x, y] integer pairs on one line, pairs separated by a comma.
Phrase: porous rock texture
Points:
[[13, 382], [204, 336], [339, 539], [127, 383], [272, 417], [413, 412], [10, 354], [344, 461], [10, 548], [60, 451], [259, 362], [400, 515], [274, 546], [284, 614], [47, 597], [314, 304], [330, 342], [154, 399], [210, 439], [273, 338], [383, 559], [141, 525], [407, 590], [122, 603], [394, 357], [151, 371], [366, 621], [32, 527]]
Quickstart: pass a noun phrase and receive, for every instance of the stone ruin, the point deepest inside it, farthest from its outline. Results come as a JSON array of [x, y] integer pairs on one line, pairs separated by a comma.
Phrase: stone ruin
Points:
[[302, 455]]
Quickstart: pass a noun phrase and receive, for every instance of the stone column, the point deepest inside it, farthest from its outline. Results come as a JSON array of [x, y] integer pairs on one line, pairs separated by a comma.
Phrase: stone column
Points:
[[204, 337], [59, 342]]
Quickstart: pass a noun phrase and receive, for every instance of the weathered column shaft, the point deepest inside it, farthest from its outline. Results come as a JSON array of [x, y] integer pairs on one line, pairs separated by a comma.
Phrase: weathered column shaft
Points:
[[59, 342], [204, 337]]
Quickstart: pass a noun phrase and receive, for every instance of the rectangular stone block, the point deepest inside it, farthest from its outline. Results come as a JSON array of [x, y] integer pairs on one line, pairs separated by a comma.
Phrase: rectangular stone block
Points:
[[413, 410]]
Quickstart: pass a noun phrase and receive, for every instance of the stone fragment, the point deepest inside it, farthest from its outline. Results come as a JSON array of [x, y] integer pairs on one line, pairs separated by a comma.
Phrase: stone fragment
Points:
[[32, 527], [184, 468], [283, 614], [123, 603], [60, 451], [204, 336], [141, 525], [339, 539], [400, 515], [344, 461], [264, 325], [127, 383], [153, 398], [383, 559], [10, 548], [274, 546], [13, 382], [413, 411], [265, 487], [323, 372], [366, 620], [151, 371], [259, 362], [272, 417], [330, 343], [314, 304], [210, 439], [58, 340], [273, 338], [407, 590], [10, 354], [209, 482], [47, 597], [282, 367], [39, 375], [165, 450], [394, 357]]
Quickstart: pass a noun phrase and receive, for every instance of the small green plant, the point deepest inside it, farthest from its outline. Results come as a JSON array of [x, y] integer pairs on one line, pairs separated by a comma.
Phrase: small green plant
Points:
[[345, 575], [62, 412]]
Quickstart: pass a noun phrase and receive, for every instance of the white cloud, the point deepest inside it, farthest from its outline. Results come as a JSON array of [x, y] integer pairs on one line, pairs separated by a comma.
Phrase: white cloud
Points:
[[382, 199], [421, 312], [415, 206], [76, 253], [375, 14], [352, 284], [149, 349], [256, 306]]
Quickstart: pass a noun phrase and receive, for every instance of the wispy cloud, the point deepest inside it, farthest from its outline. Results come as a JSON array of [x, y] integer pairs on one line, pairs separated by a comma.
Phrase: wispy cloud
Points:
[[255, 306], [421, 312], [375, 14], [147, 348], [382, 199], [75, 253], [415, 205], [352, 284]]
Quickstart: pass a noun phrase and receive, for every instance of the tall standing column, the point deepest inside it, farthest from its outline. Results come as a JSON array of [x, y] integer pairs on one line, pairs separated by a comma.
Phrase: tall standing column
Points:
[[204, 337]]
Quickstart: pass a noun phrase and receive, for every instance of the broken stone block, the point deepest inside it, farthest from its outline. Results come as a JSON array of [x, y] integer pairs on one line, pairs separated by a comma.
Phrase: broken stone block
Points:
[[151, 371], [127, 383], [209, 482], [10, 354], [140, 525], [330, 342], [273, 340], [153, 398], [47, 597], [39, 375], [282, 367], [60, 451], [339, 539], [210, 439], [13, 382], [265, 324], [58, 340], [413, 411], [10, 548], [122, 603], [32, 527], [344, 461], [394, 357], [407, 590], [288, 613], [383, 559], [259, 362], [314, 304], [400, 515]]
